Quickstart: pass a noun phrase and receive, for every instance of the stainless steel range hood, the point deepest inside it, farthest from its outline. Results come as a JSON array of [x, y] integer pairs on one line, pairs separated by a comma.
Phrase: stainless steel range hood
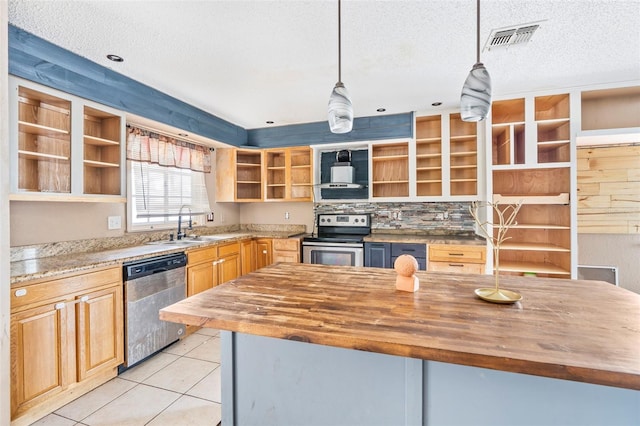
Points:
[[342, 173]]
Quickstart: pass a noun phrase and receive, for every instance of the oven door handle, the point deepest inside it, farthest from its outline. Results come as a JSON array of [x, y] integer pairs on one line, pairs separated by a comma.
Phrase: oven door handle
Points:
[[328, 244]]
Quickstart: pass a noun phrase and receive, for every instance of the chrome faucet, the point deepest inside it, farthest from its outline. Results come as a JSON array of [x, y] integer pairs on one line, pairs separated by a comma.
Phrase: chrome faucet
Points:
[[180, 232]]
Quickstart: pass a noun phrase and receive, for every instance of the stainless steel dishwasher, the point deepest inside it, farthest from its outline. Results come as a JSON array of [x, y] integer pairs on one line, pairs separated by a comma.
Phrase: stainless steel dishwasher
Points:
[[150, 285]]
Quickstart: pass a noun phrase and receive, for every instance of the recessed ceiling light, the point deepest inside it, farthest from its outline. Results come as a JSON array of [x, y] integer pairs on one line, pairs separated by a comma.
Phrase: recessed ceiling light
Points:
[[269, 122], [436, 104], [115, 58], [381, 109]]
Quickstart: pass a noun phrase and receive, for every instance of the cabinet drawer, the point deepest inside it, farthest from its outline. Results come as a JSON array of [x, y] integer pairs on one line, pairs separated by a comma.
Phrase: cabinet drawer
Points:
[[42, 291], [459, 267], [290, 244], [228, 248], [457, 254], [202, 255], [415, 250]]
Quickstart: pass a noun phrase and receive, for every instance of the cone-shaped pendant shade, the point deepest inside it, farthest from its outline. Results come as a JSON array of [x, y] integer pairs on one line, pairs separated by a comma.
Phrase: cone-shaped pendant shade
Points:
[[340, 111], [475, 100]]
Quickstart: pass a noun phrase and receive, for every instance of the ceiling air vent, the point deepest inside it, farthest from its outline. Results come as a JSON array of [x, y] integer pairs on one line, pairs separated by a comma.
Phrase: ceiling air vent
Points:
[[510, 36]]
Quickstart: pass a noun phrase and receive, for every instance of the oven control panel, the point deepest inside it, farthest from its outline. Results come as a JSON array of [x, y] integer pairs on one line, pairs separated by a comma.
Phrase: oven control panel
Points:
[[358, 220]]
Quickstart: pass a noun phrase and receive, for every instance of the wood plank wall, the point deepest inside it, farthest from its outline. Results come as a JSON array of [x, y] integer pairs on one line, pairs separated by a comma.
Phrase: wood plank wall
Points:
[[609, 189]]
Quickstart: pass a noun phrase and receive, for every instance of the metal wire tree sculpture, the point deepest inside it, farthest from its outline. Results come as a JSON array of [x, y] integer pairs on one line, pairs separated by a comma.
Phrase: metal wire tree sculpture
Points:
[[506, 218]]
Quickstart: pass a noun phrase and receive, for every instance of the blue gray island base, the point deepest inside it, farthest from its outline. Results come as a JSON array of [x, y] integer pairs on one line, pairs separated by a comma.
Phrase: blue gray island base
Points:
[[269, 381]]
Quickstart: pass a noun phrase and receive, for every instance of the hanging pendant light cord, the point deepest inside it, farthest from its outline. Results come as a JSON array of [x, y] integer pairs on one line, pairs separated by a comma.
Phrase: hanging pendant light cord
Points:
[[340, 44], [477, 32]]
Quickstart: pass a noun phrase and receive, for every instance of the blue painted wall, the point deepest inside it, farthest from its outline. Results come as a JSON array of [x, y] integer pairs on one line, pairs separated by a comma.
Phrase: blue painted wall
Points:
[[38, 60]]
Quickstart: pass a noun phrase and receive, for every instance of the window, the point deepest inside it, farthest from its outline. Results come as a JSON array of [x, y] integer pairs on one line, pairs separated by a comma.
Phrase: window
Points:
[[156, 194]]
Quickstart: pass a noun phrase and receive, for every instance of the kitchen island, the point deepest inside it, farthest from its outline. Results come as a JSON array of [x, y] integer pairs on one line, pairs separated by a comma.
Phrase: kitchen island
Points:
[[314, 344]]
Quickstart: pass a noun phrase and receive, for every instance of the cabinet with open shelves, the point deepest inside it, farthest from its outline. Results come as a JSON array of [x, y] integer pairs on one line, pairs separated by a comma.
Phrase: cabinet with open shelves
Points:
[[429, 156], [553, 128], [239, 175], [288, 174], [541, 240], [508, 132], [43, 142], [102, 152], [64, 148], [390, 170], [463, 156]]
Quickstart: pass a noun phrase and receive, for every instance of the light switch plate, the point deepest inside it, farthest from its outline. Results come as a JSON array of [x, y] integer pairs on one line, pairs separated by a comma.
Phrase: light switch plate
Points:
[[114, 222]]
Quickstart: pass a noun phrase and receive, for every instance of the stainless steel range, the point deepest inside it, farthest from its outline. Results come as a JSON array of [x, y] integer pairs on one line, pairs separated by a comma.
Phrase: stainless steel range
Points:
[[340, 240]]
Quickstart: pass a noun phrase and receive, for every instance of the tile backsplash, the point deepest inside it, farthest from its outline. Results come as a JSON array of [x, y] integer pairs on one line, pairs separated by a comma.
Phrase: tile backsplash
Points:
[[432, 218]]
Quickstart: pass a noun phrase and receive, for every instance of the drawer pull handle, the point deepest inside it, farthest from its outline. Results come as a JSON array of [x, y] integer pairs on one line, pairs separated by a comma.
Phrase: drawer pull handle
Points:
[[21, 292], [460, 265], [456, 254]]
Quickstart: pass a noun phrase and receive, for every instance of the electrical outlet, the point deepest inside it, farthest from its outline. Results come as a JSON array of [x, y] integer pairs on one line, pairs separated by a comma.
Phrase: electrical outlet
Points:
[[286, 215], [114, 222]]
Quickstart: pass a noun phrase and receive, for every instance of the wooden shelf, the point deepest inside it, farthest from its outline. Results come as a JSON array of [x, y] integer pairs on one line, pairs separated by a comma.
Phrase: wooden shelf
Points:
[[463, 154], [470, 166], [248, 165], [537, 226], [31, 155], [533, 247], [547, 145], [93, 140], [538, 268], [562, 198], [429, 140], [40, 130], [382, 182], [430, 181], [249, 182], [390, 157], [463, 180], [439, 154], [429, 168], [463, 138], [99, 164]]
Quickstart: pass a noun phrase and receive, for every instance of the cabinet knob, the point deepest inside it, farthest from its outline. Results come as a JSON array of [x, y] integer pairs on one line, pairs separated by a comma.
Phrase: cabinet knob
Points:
[[84, 298], [264, 252], [21, 292], [59, 306]]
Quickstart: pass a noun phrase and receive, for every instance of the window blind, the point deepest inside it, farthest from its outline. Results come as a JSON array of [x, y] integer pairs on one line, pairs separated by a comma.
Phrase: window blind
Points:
[[160, 192]]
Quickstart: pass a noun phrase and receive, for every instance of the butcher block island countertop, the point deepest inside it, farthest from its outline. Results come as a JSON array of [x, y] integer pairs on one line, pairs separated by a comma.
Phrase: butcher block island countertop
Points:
[[584, 331]]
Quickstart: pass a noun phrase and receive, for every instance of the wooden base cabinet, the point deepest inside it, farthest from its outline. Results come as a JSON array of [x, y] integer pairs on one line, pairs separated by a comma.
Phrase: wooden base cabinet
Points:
[[286, 250], [264, 252], [66, 338], [457, 258]]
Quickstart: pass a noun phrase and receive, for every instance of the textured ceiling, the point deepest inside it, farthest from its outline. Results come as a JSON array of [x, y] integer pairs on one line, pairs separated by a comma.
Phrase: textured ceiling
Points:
[[252, 61]]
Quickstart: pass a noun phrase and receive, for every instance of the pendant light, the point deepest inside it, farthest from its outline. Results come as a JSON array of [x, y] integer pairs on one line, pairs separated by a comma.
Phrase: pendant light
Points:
[[475, 99], [340, 111]]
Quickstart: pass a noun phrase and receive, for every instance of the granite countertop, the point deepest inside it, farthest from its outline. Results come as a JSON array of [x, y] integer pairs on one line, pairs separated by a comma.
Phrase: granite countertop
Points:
[[424, 238], [52, 266], [558, 329]]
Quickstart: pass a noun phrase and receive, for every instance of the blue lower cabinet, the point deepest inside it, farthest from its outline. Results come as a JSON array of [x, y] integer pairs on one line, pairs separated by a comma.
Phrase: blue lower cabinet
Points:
[[419, 251], [377, 255]]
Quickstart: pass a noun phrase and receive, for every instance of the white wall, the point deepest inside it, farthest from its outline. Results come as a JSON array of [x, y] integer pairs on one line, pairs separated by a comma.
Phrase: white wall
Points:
[[621, 250], [300, 213]]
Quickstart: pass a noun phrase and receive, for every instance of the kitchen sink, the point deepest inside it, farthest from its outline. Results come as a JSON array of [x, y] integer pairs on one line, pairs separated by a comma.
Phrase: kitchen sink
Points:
[[187, 242]]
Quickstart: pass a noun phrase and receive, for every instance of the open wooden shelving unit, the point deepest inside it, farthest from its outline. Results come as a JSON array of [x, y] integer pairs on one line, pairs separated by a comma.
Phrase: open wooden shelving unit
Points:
[[288, 174], [463, 154], [248, 175], [390, 170], [429, 156], [44, 142], [553, 125], [508, 132], [540, 242], [102, 152]]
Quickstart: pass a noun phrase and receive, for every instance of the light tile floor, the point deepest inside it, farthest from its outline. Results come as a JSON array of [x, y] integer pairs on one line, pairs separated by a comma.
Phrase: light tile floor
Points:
[[178, 386]]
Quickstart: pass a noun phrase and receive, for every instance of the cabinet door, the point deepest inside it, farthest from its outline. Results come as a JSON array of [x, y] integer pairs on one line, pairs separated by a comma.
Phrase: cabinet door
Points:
[[100, 331], [42, 363], [229, 268], [264, 256], [377, 255], [247, 256], [201, 277]]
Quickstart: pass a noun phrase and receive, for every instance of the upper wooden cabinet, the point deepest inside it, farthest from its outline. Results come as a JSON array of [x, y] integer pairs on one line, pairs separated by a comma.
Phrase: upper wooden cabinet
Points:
[[238, 175], [64, 148], [446, 155], [288, 174], [531, 131], [283, 174], [390, 170]]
